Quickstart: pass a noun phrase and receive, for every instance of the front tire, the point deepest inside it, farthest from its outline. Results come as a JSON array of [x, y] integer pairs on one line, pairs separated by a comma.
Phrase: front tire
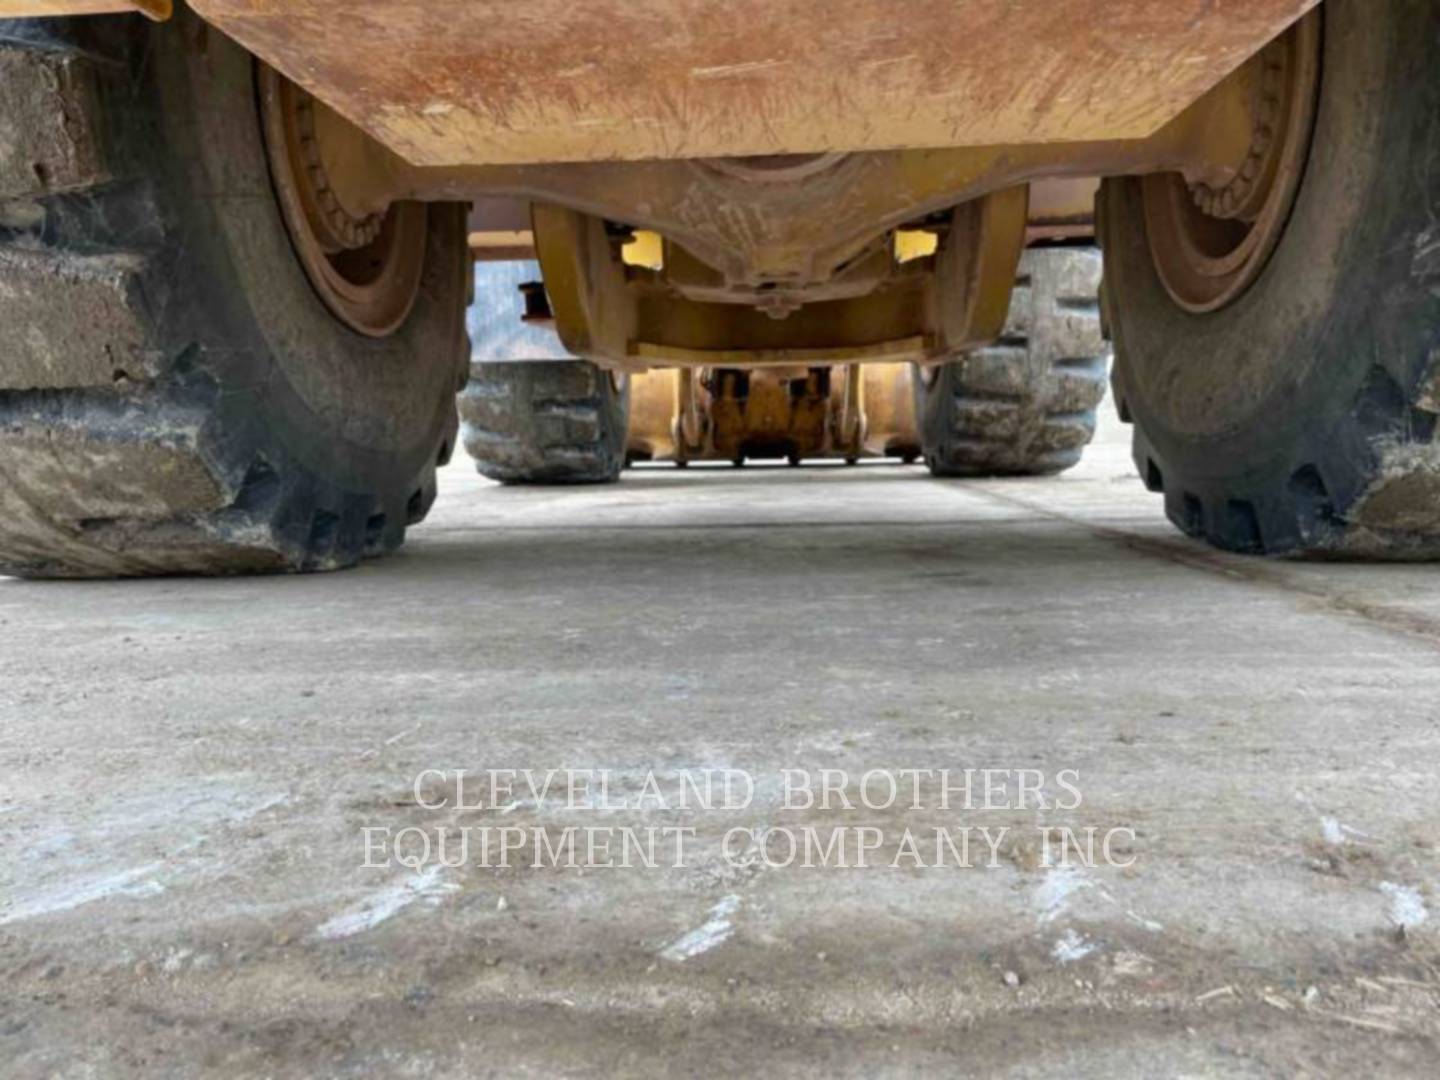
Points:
[[175, 397], [1298, 417]]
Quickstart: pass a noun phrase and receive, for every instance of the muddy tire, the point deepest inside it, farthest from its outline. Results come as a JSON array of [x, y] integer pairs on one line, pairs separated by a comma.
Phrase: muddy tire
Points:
[[174, 396], [1300, 417], [545, 422], [1026, 405]]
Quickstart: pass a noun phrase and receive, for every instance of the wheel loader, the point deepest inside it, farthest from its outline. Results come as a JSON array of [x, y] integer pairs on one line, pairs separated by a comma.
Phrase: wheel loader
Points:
[[236, 256], [1024, 406]]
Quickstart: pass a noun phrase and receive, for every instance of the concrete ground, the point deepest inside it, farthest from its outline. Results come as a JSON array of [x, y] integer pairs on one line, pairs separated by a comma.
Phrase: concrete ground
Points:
[[186, 768]]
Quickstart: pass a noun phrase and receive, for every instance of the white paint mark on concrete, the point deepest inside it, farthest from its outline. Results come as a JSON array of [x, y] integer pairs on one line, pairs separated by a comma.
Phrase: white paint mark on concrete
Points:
[[715, 931], [1056, 890], [386, 903], [1140, 920], [136, 881], [1072, 946], [175, 960], [1332, 830], [135, 827], [1407, 906]]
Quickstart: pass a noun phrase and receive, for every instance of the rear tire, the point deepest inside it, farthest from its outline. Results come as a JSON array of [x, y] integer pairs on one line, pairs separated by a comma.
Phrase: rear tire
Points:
[[546, 422], [1300, 417], [1026, 405], [174, 396]]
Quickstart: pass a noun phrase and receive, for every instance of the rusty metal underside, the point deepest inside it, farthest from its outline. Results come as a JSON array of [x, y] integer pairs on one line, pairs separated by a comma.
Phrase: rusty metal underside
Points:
[[780, 147], [467, 82]]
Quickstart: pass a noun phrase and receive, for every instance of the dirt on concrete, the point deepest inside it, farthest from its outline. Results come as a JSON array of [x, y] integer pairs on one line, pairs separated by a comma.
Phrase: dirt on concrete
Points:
[[188, 769]]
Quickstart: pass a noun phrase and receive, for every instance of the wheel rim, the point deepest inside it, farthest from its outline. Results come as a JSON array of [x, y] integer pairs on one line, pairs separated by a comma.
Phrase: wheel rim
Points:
[[366, 267], [1209, 243]]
